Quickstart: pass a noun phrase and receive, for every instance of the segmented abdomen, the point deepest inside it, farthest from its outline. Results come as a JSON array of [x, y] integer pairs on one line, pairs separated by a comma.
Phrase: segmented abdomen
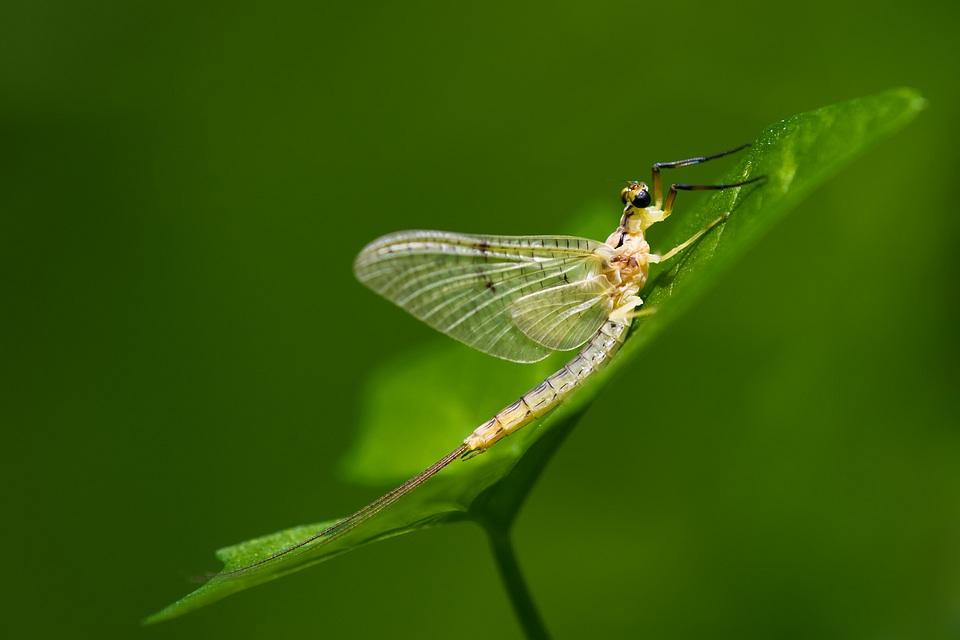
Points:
[[552, 391]]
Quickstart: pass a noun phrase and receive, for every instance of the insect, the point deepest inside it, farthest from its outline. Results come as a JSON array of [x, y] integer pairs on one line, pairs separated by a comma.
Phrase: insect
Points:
[[521, 298]]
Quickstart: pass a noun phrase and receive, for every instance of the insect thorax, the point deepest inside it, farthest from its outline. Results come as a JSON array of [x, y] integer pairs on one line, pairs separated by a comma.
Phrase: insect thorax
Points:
[[628, 261]]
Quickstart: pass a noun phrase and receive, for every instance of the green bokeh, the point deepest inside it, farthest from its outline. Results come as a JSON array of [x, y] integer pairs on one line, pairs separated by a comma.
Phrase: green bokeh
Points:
[[183, 189]]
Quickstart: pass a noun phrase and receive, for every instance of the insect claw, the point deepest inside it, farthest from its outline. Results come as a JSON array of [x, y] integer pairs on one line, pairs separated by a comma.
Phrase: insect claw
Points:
[[472, 453]]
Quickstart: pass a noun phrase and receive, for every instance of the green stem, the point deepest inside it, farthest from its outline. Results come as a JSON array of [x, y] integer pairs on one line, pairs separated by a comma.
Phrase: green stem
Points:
[[517, 589]]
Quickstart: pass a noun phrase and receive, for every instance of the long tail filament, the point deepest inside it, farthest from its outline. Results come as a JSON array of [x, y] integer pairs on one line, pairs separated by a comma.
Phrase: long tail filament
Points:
[[343, 526]]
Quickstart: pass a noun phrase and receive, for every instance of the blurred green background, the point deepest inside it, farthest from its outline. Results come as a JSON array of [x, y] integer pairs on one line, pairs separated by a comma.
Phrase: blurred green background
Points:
[[183, 188]]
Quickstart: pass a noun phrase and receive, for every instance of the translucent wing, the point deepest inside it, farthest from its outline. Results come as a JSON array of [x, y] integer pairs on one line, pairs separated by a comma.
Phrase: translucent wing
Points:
[[464, 285], [565, 316]]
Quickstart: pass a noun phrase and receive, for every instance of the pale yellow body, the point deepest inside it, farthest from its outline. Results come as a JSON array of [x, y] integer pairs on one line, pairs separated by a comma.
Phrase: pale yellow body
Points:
[[627, 258]]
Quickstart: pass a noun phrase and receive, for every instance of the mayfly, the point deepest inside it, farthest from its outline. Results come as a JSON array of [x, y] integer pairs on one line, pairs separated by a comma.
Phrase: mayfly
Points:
[[520, 298]]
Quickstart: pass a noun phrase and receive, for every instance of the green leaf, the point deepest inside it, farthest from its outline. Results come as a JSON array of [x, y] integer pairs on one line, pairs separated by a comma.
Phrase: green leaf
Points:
[[421, 406]]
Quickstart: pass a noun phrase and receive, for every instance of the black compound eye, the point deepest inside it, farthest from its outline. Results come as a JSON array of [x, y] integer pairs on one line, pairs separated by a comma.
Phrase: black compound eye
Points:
[[641, 200]]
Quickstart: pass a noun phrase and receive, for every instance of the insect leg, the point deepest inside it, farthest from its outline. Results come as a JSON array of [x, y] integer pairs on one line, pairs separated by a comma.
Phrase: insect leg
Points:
[[689, 241], [672, 195], [646, 311], [676, 164]]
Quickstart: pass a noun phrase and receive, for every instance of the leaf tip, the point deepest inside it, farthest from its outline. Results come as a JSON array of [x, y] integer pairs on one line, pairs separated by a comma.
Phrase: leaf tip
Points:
[[915, 100], [159, 616]]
